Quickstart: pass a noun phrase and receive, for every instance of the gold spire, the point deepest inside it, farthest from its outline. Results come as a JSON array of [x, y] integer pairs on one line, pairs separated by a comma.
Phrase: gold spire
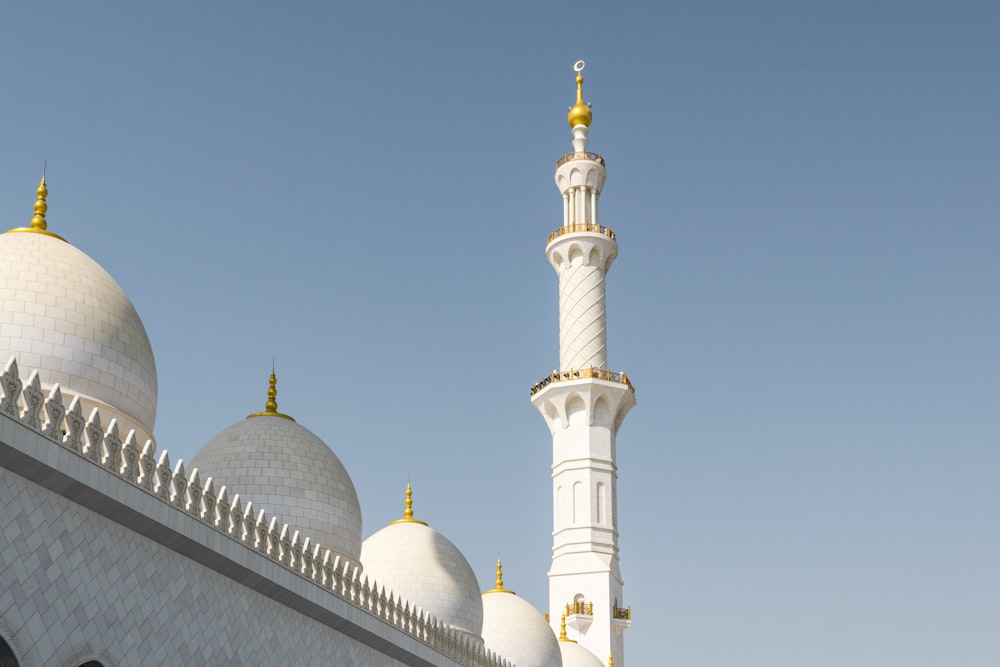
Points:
[[579, 113], [271, 407], [38, 223], [498, 587], [408, 512], [611, 660], [562, 631]]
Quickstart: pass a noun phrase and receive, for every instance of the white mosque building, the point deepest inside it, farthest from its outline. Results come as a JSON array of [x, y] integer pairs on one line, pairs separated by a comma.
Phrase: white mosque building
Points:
[[252, 553]]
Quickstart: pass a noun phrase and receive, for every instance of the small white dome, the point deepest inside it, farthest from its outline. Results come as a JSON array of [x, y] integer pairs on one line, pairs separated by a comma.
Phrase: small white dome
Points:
[[574, 655], [516, 631], [64, 316], [289, 473], [416, 562]]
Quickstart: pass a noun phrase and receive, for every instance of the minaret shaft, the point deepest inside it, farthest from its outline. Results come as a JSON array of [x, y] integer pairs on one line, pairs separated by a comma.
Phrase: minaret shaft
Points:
[[584, 404], [582, 315]]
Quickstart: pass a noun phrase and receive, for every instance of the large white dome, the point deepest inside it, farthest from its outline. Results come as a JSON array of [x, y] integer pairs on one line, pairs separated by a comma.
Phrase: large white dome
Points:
[[516, 631], [289, 473], [64, 316], [415, 561]]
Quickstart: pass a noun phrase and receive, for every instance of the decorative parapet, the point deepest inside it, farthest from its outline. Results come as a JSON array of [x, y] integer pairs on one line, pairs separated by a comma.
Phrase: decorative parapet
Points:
[[595, 227], [580, 607], [186, 493], [596, 157], [580, 374]]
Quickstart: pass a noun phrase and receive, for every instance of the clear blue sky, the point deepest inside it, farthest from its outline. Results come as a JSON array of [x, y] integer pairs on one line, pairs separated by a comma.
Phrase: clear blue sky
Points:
[[806, 200]]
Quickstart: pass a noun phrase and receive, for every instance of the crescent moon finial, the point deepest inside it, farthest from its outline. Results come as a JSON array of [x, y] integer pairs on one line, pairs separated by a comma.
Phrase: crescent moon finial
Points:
[[579, 65]]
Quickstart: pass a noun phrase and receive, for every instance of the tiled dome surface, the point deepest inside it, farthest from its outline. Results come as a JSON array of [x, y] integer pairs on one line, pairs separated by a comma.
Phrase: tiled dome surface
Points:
[[574, 655], [62, 314], [291, 474], [426, 569], [517, 631]]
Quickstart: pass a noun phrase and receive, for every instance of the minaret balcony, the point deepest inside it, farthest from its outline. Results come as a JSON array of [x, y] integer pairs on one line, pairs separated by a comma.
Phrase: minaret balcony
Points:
[[582, 374], [582, 155], [580, 615], [571, 228], [622, 618]]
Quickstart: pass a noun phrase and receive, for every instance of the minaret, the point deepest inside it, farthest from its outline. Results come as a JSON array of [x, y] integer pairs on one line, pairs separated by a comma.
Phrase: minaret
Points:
[[584, 405]]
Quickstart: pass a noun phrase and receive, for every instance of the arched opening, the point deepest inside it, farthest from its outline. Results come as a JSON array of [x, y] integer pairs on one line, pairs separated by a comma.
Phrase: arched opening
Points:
[[92, 663], [7, 658]]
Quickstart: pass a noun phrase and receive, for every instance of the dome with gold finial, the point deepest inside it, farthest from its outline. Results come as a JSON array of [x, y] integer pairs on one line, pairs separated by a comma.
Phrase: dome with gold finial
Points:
[[63, 315], [579, 113], [414, 561], [516, 630], [289, 473]]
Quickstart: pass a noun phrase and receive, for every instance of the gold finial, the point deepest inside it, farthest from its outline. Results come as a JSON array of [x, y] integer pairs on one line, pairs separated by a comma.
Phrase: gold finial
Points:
[[408, 512], [498, 587], [611, 660], [579, 113], [271, 407], [272, 394], [562, 631], [38, 223]]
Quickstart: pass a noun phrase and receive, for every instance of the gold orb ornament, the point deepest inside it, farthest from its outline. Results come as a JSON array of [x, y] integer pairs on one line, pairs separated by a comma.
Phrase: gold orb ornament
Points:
[[579, 113]]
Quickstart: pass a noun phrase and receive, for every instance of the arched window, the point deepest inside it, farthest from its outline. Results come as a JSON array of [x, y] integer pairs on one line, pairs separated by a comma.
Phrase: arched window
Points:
[[7, 658], [92, 663]]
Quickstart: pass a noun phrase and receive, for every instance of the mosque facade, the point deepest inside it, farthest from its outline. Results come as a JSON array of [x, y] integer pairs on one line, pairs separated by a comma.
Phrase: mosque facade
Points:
[[252, 553]]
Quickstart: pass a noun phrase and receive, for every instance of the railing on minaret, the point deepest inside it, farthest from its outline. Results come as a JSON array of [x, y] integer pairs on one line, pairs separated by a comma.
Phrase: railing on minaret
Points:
[[584, 404]]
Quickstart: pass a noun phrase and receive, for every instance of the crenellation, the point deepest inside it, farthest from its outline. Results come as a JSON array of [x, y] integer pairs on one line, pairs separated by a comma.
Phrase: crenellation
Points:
[[163, 477], [295, 561], [130, 459], [147, 466], [208, 501], [10, 386], [282, 547], [390, 609], [260, 533], [364, 595], [420, 625], [222, 507], [249, 533], [34, 399], [95, 436], [313, 562], [179, 497], [75, 426], [305, 559], [342, 580], [430, 624], [112, 448], [55, 411], [330, 581], [194, 493], [305, 567], [382, 602], [274, 540], [236, 519], [403, 612], [359, 590]]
